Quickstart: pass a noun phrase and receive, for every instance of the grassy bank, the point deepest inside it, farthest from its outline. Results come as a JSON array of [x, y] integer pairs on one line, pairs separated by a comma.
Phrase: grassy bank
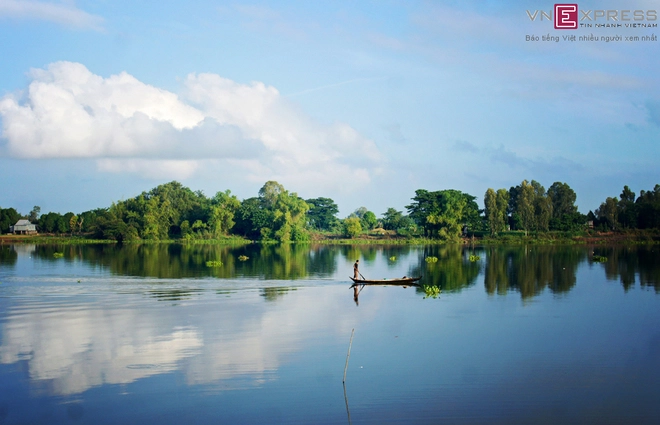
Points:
[[633, 237]]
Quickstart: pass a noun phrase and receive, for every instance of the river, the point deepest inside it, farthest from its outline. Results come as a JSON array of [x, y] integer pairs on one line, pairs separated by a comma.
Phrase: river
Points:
[[260, 334]]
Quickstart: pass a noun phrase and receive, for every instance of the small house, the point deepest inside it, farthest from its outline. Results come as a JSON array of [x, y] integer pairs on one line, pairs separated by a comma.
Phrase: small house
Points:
[[23, 227]]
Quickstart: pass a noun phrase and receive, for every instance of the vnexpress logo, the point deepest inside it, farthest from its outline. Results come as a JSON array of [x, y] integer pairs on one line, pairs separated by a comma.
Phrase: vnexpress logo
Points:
[[566, 16]]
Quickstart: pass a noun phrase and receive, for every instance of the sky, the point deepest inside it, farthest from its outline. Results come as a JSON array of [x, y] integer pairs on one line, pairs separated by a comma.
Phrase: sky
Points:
[[363, 102]]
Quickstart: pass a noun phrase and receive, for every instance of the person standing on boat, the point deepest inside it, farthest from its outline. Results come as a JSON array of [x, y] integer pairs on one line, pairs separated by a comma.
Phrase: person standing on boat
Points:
[[356, 272]]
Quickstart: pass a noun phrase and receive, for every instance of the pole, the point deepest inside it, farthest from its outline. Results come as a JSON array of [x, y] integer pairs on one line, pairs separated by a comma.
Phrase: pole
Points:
[[348, 355]]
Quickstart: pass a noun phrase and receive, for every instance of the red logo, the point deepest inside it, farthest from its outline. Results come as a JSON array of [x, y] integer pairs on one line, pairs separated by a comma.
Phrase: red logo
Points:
[[566, 16]]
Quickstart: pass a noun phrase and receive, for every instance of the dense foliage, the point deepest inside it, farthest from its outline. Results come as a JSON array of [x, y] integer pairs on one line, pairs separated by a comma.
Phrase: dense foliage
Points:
[[172, 211]]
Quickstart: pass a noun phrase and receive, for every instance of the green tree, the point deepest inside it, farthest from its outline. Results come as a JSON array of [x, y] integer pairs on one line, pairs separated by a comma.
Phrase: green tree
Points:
[[502, 203], [8, 217], [525, 205], [608, 213], [286, 214], [492, 216], [185, 229], [648, 205], [496, 204], [627, 209], [443, 214], [269, 193], [352, 227], [392, 219], [564, 211], [34, 214], [542, 207], [322, 213], [48, 222], [223, 208], [250, 218], [369, 220], [73, 223], [563, 199]]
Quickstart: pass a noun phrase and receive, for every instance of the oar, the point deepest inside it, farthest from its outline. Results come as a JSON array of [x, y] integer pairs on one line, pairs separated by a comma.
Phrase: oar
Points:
[[363, 278]]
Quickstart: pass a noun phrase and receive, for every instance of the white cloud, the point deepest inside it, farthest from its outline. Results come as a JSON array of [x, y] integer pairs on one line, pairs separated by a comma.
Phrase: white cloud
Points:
[[130, 126], [59, 13], [150, 168]]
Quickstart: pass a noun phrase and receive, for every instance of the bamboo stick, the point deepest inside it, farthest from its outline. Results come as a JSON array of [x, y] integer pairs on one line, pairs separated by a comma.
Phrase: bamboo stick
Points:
[[348, 355]]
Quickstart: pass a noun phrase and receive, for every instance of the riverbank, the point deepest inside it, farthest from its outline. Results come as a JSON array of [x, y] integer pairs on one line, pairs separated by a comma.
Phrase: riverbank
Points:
[[633, 237]]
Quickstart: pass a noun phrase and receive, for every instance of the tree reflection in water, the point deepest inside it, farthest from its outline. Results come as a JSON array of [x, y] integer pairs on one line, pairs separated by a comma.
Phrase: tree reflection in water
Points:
[[528, 270]]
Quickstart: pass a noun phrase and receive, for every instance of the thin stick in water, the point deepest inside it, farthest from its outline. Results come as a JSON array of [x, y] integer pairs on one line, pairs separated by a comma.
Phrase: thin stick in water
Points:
[[348, 355]]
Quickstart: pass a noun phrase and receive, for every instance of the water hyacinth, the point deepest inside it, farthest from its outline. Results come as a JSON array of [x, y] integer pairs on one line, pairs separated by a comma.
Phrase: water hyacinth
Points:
[[431, 291]]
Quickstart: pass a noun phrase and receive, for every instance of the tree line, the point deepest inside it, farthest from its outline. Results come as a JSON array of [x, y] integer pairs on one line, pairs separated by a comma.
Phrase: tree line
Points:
[[173, 211]]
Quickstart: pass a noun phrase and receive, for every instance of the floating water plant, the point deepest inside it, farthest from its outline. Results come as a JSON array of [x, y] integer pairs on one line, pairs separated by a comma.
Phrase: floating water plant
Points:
[[214, 264], [474, 258], [58, 254], [393, 258], [431, 291], [600, 258], [431, 259], [243, 258]]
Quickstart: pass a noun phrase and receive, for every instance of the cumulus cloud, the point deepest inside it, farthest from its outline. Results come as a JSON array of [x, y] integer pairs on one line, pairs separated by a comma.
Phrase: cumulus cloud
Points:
[[59, 13], [130, 126]]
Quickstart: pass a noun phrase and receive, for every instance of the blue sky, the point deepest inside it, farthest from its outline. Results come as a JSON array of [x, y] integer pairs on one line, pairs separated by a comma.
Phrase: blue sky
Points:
[[360, 101]]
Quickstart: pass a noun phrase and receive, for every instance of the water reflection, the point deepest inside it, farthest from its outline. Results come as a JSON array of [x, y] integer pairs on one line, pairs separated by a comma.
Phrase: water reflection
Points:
[[530, 270], [71, 346], [453, 270], [631, 264], [8, 255], [279, 262], [280, 323]]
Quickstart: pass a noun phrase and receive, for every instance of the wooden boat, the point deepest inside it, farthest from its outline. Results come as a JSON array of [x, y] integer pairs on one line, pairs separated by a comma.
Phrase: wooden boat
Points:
[[396, 281]]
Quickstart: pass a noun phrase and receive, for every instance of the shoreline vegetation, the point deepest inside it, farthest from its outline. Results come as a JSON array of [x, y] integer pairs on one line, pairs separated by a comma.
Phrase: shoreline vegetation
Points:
[[172, 213], [633, 237]]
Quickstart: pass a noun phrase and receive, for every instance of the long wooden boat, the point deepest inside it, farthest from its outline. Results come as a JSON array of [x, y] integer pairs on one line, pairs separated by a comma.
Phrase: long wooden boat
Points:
[[396, 281]]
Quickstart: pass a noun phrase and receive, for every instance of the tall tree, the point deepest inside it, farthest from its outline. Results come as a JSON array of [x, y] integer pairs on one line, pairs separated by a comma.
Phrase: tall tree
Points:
[[490, 202], [34, 214], [369, 220], [542, 207], [496, 204], [648, 205], [392, 219], [287, 213], [502, 206], [269, 193], [563, 199], [608, 213], [73, 223], [525, 205], [443, 213], [223, 208], [627, 209], [322, 214]]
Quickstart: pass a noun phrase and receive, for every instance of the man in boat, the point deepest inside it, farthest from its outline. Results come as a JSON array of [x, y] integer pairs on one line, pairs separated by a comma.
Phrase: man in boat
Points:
[[356, 272]]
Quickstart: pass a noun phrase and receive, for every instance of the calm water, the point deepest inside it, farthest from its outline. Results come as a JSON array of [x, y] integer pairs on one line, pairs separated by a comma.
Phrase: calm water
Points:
[[150, 334]]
